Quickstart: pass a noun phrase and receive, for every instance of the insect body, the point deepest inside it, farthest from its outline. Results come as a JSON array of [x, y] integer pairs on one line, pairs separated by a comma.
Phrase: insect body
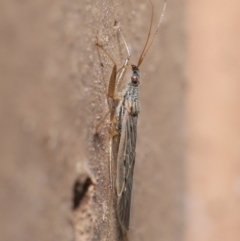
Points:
[[124, 115], [128, 110]]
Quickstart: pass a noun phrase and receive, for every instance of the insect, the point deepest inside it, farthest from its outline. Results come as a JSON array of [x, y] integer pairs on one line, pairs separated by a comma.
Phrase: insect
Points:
[[124, 108]]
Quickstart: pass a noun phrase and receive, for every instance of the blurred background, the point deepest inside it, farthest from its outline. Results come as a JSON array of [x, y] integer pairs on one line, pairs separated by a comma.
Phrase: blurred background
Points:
[[54, 174]]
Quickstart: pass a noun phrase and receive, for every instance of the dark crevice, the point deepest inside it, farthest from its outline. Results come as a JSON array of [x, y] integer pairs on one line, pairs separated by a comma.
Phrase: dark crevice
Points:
[[80, 189]]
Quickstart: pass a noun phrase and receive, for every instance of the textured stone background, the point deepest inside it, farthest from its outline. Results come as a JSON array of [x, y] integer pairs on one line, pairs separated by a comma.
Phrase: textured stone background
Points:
[[53, 91]]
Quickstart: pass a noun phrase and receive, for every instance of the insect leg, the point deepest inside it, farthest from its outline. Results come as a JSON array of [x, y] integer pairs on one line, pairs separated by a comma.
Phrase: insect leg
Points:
[[111, 87], [114, 84], [125, 64]]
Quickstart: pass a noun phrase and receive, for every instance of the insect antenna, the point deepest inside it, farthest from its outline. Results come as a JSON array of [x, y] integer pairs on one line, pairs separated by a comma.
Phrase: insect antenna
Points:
[[149, 32], [146, 48]]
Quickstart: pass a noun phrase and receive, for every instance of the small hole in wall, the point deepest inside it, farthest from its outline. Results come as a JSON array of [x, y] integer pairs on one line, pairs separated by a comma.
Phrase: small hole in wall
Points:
[[80, 188]]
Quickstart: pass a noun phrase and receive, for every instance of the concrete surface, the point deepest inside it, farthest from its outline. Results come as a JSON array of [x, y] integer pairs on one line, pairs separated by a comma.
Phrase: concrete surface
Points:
[[53, 172]]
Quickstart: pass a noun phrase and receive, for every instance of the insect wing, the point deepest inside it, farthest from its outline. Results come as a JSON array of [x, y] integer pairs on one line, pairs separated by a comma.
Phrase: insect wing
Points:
[[125, 167]]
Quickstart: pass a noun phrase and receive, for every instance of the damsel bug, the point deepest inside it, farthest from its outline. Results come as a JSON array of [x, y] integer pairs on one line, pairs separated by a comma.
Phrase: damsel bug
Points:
[[124, 109]]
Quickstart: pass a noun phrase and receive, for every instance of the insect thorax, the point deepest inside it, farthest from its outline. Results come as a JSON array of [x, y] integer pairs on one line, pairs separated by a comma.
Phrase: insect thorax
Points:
[[131, 99]]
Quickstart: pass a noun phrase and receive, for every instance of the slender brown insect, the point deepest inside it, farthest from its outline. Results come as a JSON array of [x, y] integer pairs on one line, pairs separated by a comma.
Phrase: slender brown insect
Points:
[[124, 109]]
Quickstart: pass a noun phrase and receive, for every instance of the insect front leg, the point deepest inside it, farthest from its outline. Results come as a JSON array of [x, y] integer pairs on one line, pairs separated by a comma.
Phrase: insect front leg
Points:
[[125, 64], [110, 91], [113, 95]]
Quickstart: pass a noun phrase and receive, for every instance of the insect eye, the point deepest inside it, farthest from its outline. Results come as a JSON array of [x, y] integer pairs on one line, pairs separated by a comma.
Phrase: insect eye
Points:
[[134, 79]]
